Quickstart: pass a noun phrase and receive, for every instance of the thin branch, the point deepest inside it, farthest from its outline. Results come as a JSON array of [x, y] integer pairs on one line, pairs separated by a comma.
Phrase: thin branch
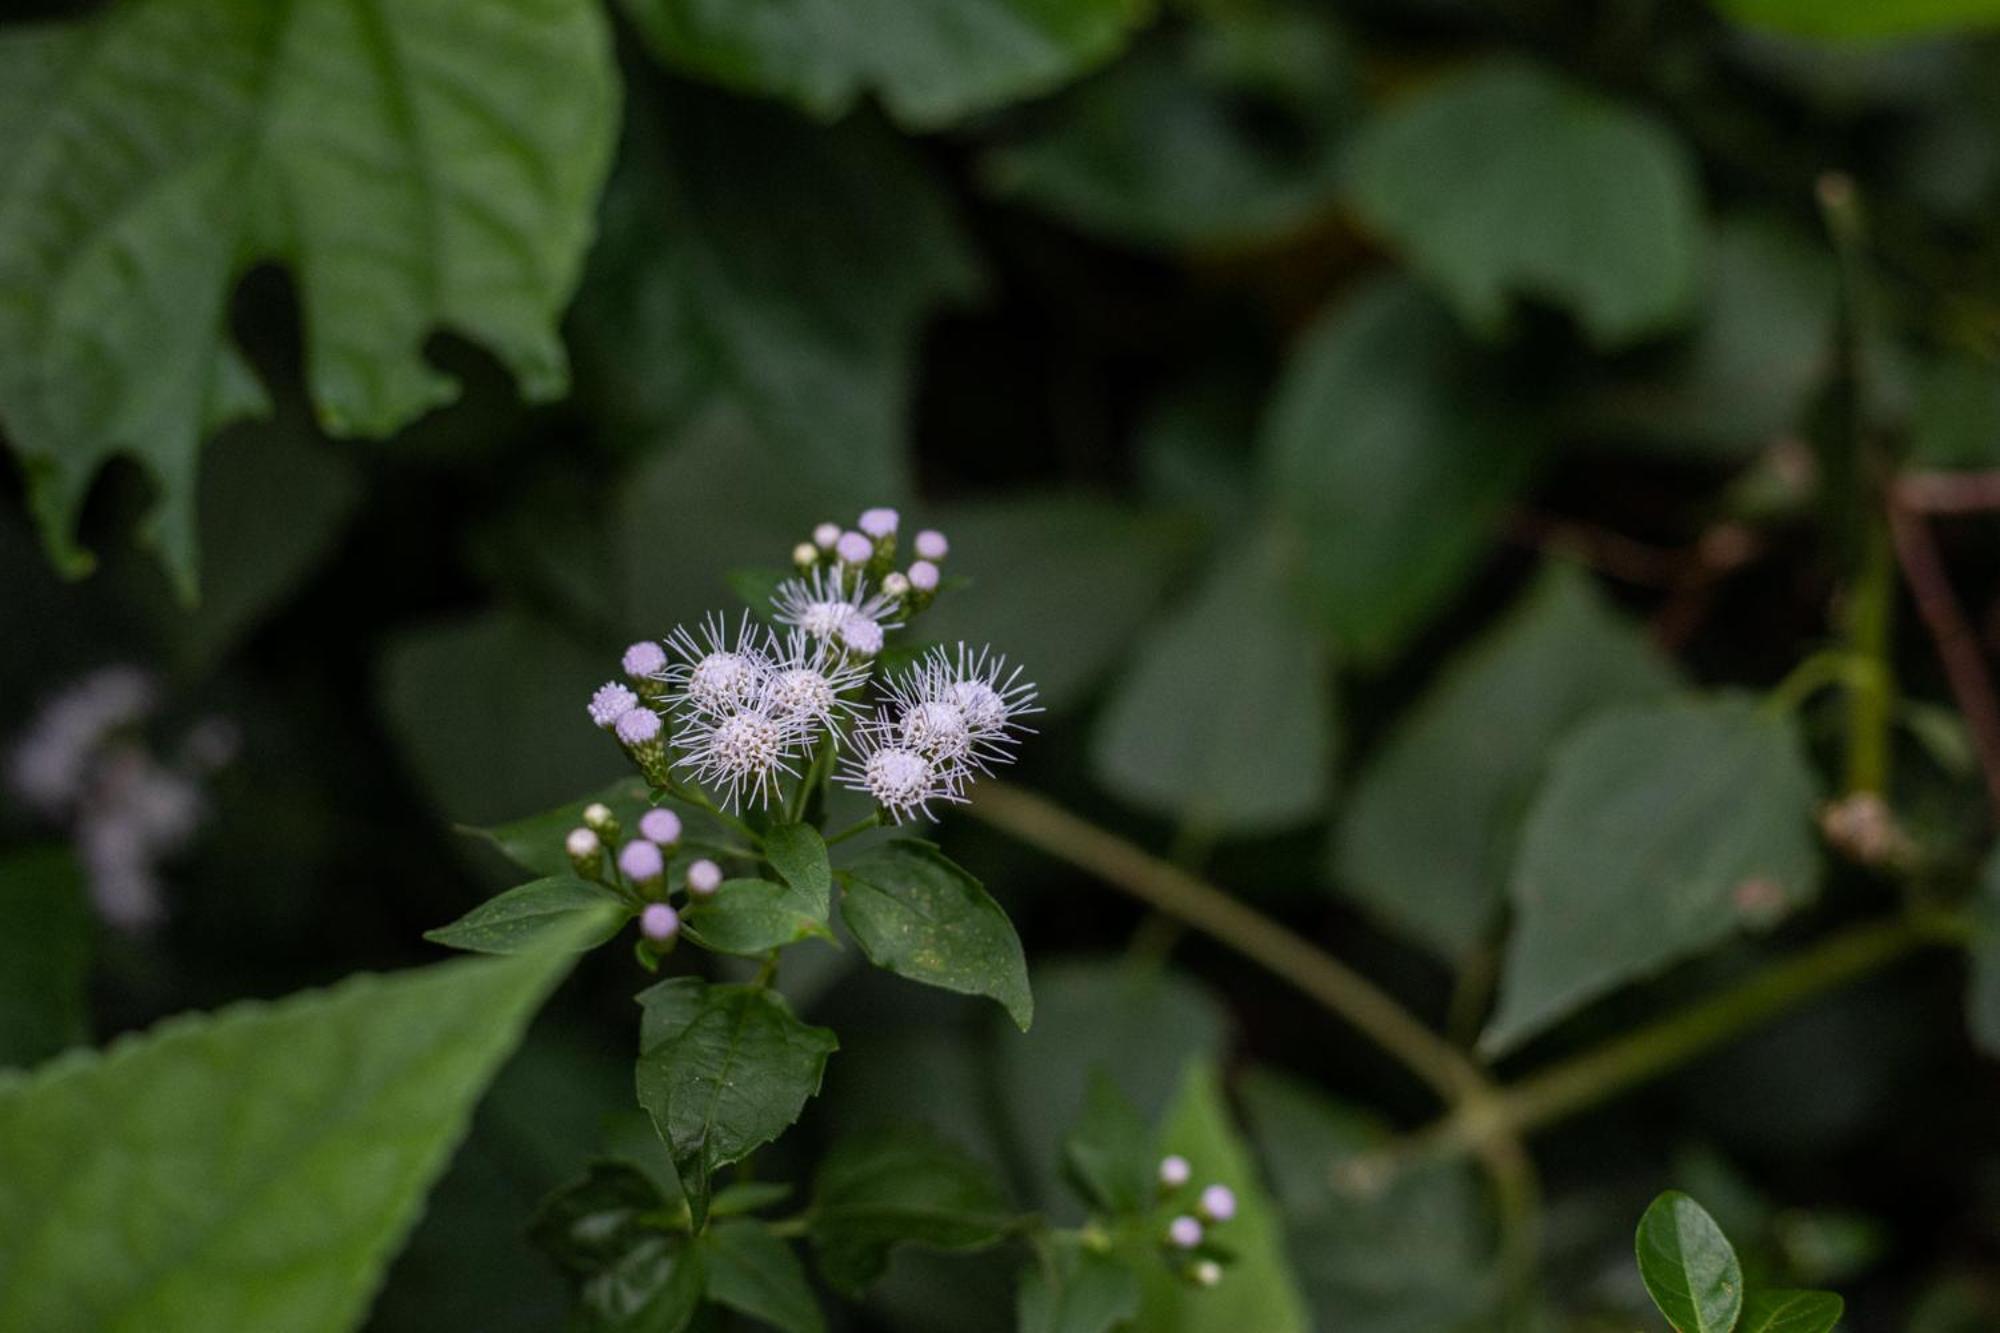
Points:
[[1949, 492], [1957, 644]]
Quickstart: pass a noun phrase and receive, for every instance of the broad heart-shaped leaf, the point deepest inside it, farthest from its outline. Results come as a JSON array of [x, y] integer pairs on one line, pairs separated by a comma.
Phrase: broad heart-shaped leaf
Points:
[[894, 1186], [1982, 996], [798, 853], [1072, 1288], [918, 915], [930, 62], [1863, 19], [252, 1169], [723, 1070], [754, 916], [1660, 830], [1428, 835], [1392, 450], [533, 916], [1507, 180], [1225, 718], [1791, 1312], [44, 955], [1110, 1152], [1689, 1267], [425, 166], [753, 1272]]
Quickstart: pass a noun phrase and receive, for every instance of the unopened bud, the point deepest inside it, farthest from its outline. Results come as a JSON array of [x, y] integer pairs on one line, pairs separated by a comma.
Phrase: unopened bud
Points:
[[1174, 1172], [931, 545], [1218, 1203], [661, 827], [659, 923], [644, 658], [641, 862], [597, 817], [704, 878], [611, 702], [879, 523], [1206, 1273], [853, 549], [825, 535], [1184, 1232], [644, 737], [896, 585], [804, 556], [586, 852]]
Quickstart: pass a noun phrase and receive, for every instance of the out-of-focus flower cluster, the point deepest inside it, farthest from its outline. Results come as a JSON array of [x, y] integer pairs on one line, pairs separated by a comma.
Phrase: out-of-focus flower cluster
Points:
[[1188, 1240], [85, 764]]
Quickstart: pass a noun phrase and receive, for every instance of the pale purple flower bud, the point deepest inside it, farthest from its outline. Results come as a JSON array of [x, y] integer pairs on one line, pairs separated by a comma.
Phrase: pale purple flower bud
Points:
[[825, 535], [1206, 1273], [659, 923], [642, 863], [704, 878], [1185, 1232], [895, 585], [639, 726], [931, 544], [853, 548], [878, 523], [660, 826], [1174, 1172], [597, 817], [581, 844], [1218, 1202], [924, 576], [611, 702], [645, 659]]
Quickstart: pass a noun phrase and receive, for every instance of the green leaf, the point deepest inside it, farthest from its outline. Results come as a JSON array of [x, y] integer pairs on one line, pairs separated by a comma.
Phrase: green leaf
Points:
[[930, 62], [533, 916], [918, 915], [798, 853], [1982, 996], [536, 843], [1075, 1289], [653, 1287], [427, 167], [722, 1071], [1110, 1152], [44, 955], [1863, 20], [1791, 1312], [1393, 451], [1225, 719], [1507, 181], [900, 1185], [753, 1272], [1688, 1266], [1429, 834], [588, 1226], [253, 1169], [754, 916], [1661, 831]]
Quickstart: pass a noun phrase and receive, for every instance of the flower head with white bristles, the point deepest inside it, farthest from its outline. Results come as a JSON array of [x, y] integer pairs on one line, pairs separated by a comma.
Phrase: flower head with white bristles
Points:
[[743, 752], [811, 682], [836, 604], [716, 673], [962, 707], [898, 776]]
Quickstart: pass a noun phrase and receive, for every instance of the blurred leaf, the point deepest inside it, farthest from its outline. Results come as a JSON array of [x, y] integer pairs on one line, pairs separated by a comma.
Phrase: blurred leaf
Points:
[[900, 1186], [797, 852], [1688, 1266], [44, 956], [1110, 1152], [1507, 181], [754, 916], [755, 1273], [1071, 1288], [1862, 19], [722, 1071], [531, 917], [1393, 453], [1958, 415], [1659, 831], [1221, 133], [1259, 1291], [1430, 831], [713, 288], [1791, 1312], [1224, 720], [1982, 998], [920, 916], [251, 1169], [588, 1226], [930, 62], [434, 166]]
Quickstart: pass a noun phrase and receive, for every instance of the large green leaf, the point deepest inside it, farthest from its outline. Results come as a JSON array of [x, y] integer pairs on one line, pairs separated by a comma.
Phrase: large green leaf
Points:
[[248, 1170], [896, 1186], [422, 166], [1429, 834], [1660, 831], [44, 955], [723, 1070], [752, 1271], [929, 61], [1863, 19], [1791, 1312], [920, 916], [754, 916], [1507, 181], [1688, 1266], [1393, 451], [534, 916], [1225, 718], [1074, 1288]]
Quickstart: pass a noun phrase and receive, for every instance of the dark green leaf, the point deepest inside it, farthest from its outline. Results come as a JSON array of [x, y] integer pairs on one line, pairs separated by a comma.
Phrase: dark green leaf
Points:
[[1982, 997], [536, 843], [316, 141], [1863, 19], [754, 916], [531, 916], [1688, 1266], [1072, 1288], [1661, 831], [798, 853], [896, 1186], [1508, 181], [755, 1273], [1393, 454], [922, 917], [1429, 834], [1110, 1152], [589, 1226], [44, 955], [747, 1196], [1791, 1312], [300, 1137], [722, 1071], [653, 1287]]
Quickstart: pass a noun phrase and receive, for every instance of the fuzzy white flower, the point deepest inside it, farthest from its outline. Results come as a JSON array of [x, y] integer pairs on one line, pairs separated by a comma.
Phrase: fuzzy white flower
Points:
[[836, 604], [715, 674], [744, 752], [962, 707], [809, 682], [899, 777]]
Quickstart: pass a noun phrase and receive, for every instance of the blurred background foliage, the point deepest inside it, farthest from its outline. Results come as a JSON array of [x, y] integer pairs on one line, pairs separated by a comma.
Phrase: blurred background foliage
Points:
[[1333, 405]]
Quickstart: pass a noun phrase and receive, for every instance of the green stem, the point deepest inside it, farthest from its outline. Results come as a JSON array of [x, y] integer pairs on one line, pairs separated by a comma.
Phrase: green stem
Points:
[[1871, 696], [855, 829], [822, 760], [680, 791]]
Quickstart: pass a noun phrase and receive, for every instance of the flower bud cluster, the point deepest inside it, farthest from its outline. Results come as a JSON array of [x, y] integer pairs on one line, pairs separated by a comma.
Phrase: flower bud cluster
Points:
[[634, 868], [1187, 1238]]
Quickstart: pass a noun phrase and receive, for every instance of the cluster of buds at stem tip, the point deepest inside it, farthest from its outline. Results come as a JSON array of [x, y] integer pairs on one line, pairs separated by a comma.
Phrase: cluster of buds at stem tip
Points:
[[1193, 1220], [635, 870]]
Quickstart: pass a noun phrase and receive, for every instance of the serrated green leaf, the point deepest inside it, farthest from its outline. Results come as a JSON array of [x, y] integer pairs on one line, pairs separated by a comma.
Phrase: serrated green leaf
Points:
[[531, 917], [798, 853], [1508, 181], [1110, 1152], [1660, 831], [920, 916], [424, 167], [252, 1169], [722, 1071], [1982, 995], [1688, 1266], [1392, 452], [1225, 719], [1429, 834], [753, 1272], [901, 1185], [1791, 1312], [754, 916], [930, 62], [1072, 1288], [1863, 20], [44, 955]]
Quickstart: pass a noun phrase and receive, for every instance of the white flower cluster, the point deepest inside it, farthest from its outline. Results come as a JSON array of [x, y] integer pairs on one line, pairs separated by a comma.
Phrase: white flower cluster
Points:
[[745, 710]]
